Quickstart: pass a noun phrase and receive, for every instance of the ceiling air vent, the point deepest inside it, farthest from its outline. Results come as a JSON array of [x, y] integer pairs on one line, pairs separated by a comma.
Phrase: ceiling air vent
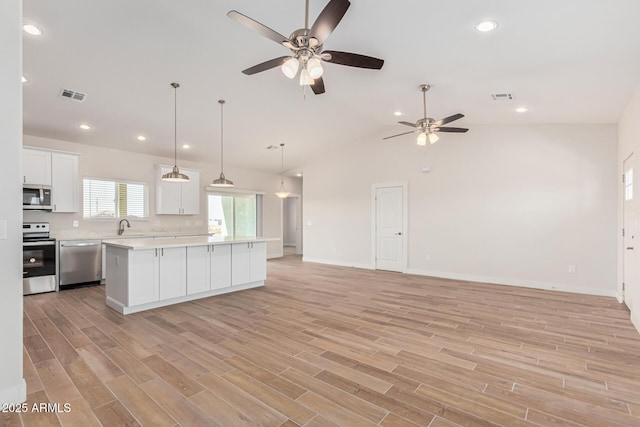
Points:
[[72, 94], [502, 96]]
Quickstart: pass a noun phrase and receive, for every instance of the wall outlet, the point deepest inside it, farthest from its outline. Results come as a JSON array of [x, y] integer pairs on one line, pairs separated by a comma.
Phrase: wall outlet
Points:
[[572, 269], [75, 223], [427, 257]]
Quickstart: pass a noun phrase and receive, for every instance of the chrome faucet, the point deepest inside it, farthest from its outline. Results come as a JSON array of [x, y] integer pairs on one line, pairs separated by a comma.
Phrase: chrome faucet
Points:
[[121, 226]]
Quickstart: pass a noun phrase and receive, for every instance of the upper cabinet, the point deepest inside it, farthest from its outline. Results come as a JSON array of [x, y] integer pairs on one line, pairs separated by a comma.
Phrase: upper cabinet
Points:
[[57, 169], [177, 198], [64, 182], [36, 167]]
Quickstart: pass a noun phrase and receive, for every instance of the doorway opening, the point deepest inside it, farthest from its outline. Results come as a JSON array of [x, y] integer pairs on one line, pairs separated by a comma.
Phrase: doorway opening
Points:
[[292, 225]]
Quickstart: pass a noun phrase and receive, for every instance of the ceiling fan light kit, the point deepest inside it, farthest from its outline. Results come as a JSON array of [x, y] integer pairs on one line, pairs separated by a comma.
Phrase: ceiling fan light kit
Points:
[[426, 126], [222, 181], [175, 175], [306, 46]]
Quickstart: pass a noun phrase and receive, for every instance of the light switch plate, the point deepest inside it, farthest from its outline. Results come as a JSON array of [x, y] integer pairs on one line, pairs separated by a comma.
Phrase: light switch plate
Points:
[[75, 223]]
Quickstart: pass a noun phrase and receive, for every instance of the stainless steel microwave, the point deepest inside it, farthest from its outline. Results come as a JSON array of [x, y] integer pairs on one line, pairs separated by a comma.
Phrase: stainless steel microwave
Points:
[[36, 197]]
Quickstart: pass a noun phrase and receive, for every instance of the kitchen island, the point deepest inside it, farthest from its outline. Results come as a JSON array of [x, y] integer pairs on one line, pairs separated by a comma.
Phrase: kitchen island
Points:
[[142, 274]]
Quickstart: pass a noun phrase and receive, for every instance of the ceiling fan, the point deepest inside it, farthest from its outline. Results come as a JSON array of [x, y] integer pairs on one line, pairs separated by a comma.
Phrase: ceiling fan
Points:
[[427, 127], [306, 46]]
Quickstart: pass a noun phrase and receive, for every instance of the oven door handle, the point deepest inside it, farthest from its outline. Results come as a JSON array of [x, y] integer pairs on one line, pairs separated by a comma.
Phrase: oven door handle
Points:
[[78, 245], [45, 243]]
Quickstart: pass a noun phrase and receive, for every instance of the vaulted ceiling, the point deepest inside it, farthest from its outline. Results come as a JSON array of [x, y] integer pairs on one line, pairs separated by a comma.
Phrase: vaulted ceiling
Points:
[[569, 61]]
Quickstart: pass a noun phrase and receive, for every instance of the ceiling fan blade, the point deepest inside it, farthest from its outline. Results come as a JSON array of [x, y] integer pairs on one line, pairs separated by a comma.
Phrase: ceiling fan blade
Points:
[[328, 19], [254, 25], [449, 129], [400, 134], [318, 86], [413, 125], [448, 119], [354, 60], [267, 65]]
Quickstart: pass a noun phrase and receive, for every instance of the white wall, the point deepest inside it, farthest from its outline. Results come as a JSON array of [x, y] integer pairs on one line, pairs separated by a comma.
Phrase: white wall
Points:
[[511, 204], [12, 384], [629, 143], [99, 162]]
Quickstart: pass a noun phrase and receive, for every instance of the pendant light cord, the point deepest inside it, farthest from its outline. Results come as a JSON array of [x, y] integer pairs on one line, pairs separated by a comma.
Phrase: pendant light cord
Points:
[[175, 125], [221, 101]]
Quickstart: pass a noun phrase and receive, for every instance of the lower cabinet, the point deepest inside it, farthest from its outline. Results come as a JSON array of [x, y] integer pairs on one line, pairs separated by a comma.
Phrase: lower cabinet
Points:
[[208, 268], [248, 262], [157, 274]]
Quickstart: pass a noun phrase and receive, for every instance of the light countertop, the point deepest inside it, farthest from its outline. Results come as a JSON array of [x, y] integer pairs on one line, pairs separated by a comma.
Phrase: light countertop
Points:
[[178, 242]]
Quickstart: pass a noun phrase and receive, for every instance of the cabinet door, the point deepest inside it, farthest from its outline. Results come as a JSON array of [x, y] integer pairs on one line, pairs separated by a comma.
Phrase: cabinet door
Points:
[[173, 272], [258, 261], [240, 264], [198, 269], [143, 277], [191, 193], [220, 266], [64, 182], [36, 167], [168, 194]]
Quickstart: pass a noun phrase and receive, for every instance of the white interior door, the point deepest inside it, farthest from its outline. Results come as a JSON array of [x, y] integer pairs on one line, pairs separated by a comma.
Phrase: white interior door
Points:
[[631, 288], [389, 238]]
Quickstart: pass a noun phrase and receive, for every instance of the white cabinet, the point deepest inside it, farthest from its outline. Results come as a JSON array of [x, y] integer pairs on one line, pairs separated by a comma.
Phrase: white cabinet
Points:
[[64, 182], [36, 167], [248, 262], [59, 170], [177, 198], [173, 272], [208, 268], [157, 274], [143, 277]]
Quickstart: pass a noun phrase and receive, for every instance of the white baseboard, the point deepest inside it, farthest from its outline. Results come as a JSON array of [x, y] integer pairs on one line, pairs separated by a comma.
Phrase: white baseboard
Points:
[[15, 394], [337, 263], [635, 319], [514, 282], [619, 297]]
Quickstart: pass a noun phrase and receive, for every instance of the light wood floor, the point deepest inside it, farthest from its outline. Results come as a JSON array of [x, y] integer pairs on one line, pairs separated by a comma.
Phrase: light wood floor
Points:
[[331, 346]]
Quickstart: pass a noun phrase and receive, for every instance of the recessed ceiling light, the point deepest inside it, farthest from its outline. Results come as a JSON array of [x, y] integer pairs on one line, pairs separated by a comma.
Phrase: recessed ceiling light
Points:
[[141, 138], [186, 146], [298, 174], [486, 26], [84, 126], [32, 29], [24, 79], [522, 109], [397, 113]]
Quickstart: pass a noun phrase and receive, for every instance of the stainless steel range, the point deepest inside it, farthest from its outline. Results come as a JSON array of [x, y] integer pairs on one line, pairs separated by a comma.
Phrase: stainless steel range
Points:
[[38, 258]]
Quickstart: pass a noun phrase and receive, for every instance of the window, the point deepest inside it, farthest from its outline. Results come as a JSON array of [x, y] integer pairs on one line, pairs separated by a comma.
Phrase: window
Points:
[[235, 215], [628, 184], [114, 199]]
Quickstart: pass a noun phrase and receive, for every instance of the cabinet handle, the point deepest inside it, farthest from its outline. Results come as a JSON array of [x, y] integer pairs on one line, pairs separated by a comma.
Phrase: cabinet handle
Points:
[[55, 207], [213, 248], [162, 251], [156, 252], [24, 179]]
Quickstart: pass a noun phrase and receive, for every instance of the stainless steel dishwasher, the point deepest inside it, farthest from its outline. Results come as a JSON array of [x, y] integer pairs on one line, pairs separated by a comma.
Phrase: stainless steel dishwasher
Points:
[[80, 262]]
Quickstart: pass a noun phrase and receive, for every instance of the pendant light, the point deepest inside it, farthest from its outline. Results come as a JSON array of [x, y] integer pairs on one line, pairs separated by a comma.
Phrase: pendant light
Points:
[[282, 194], [222, 181], [175, 175]]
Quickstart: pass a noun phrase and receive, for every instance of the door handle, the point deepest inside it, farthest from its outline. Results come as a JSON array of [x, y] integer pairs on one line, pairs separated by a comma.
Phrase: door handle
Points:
[[629, 248], [398, 234]]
